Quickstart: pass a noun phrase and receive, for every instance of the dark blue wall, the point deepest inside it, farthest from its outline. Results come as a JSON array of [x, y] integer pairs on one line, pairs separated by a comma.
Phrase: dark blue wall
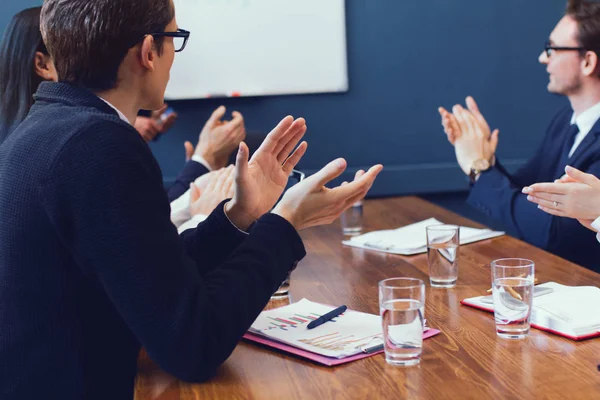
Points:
[[405, 59]]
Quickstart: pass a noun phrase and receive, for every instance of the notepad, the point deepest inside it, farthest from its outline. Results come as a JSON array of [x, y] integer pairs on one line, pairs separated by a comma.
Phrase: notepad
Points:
[[412, 239], [569, 311], [342, 339]]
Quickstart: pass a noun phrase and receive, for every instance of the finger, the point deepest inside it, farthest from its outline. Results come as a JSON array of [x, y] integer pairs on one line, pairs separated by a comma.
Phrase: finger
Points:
[[554, 205], [273, 137], [328, 172], [216, 115], [228, 186], [241, 162], [284, 153], [295, 158], [494, 139], [290, 139], [552, 211], [194, 192], [474, 108], [171, 118], [157, 113], [549, 197], [358, 174], [189, 150], [459, 118], [473, 124], [580, 176], [357, 189], [236, 122], [537, 188]]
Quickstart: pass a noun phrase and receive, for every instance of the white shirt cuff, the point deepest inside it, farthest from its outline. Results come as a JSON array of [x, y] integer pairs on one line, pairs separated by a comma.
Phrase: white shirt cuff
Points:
[[180, 211], [201, 160], [596, 226]]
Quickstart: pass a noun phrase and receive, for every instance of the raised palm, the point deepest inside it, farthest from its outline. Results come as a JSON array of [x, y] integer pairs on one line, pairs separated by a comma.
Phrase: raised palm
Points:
[[261, 181]]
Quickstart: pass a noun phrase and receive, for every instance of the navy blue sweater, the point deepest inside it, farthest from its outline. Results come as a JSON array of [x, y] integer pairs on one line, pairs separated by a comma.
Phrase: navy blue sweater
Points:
[[91, 267]]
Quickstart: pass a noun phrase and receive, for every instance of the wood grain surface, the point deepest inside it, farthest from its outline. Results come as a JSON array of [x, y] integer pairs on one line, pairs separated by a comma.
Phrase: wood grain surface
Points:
[[466, 361]]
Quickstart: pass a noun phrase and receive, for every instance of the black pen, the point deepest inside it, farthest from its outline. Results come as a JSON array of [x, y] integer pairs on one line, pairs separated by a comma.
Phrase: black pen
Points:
[[326, 317]]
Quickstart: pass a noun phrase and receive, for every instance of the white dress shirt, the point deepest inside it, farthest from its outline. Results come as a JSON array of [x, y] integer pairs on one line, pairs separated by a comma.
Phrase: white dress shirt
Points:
[[585, 122]]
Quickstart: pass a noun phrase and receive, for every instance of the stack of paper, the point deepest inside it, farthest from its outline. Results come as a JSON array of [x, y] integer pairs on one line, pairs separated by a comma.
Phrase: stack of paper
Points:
[[569, 311], [412, 239], [345, 337]]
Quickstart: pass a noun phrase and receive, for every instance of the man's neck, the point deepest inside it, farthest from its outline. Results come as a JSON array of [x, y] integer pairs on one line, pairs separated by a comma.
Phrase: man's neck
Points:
[[585, 98], [123, 101]]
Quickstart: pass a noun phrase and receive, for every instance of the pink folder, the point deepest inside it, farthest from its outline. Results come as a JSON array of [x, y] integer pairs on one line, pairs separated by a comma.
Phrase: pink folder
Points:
[[329, 361]]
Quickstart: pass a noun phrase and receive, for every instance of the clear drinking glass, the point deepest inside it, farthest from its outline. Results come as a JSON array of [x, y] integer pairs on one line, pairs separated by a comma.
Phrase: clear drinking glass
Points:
[[512, 289], [402, 306], [352, 219], [443, 242]]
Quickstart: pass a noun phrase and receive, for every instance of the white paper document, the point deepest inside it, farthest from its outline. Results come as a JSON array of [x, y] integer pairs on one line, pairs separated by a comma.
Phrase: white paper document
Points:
[[571, 311], [412, 239]]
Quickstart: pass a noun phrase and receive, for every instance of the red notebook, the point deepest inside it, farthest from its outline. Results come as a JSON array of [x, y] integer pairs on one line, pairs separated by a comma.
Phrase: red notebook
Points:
[[568, 311]]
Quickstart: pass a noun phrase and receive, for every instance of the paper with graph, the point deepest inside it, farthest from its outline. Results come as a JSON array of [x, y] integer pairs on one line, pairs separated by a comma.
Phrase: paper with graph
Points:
[[341, 337]]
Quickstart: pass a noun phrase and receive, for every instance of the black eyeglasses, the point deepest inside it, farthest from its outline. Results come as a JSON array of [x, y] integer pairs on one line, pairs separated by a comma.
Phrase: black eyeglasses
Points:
[[549, 49], [180, 38]]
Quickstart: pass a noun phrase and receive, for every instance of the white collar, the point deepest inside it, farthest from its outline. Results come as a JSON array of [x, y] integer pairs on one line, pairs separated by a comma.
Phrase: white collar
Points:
[[586, 120], [121, 115]]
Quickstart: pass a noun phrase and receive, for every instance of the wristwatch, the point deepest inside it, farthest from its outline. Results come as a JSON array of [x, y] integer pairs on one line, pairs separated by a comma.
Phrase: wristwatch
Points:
[[477, 168]]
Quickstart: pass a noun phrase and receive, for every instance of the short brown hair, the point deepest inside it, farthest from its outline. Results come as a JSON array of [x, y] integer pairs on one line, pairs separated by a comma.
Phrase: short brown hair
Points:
[[89, 39], [587, 16]]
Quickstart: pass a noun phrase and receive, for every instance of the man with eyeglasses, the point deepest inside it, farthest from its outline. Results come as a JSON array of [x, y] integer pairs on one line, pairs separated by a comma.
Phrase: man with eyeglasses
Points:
[[91, 267], [571, 57]]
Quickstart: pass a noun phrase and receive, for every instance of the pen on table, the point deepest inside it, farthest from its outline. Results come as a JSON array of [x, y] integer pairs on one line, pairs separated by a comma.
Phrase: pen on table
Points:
[[373, 349], [326, 317]]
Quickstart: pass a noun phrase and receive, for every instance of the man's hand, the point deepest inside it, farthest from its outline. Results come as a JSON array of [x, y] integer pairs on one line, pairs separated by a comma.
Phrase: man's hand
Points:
[[310, 203], [475, 141], [260, 182], [207, 193], [151, 127], [451, 127], [575, 196], [219, 138]]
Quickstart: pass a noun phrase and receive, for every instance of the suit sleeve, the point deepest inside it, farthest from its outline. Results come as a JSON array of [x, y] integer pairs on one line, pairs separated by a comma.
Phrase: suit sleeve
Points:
[[112, 214], [191, 170], [499, 198]]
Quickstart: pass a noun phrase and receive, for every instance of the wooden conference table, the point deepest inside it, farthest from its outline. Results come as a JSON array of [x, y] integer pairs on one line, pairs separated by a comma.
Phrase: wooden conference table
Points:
[[466, 361]]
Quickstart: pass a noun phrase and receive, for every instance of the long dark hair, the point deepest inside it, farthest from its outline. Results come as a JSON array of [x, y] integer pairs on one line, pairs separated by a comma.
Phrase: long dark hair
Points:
[[18, 79]]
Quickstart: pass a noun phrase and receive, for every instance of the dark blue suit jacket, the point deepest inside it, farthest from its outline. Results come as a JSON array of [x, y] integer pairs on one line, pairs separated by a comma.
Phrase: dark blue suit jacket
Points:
[[498, 194]]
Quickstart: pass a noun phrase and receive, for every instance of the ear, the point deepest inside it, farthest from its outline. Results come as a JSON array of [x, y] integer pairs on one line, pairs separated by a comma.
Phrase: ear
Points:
[[590, 63], [148, 53], [43, 66]]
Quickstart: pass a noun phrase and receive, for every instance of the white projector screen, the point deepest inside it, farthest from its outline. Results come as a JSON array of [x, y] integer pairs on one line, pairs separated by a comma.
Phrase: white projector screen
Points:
[[260, 47]]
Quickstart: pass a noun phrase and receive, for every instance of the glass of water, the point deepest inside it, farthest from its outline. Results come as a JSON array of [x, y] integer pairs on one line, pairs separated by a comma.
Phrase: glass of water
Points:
[[352, 219], [512, 290], [442, 254], [402, 306]]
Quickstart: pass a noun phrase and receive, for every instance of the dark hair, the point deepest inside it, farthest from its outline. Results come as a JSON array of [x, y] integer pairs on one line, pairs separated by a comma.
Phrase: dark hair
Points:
[[89, 39], [587, 16], [18, 79]]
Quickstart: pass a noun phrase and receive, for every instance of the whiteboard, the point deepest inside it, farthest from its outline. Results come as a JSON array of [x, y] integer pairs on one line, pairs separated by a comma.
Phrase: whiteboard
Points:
[[259, 47]]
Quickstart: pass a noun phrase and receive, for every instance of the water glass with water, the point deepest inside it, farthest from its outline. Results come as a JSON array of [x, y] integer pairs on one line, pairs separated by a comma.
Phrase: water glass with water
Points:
[[512, 290], [402, 306], [352, 219], [443, 243]]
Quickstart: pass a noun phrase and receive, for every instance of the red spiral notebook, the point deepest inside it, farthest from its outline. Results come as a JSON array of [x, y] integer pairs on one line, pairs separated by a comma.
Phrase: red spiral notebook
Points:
[[351, 336], [568, 311]]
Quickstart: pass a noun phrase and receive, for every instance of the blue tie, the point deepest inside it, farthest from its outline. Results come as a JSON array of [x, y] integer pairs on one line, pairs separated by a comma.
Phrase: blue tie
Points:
[[564, 158]]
